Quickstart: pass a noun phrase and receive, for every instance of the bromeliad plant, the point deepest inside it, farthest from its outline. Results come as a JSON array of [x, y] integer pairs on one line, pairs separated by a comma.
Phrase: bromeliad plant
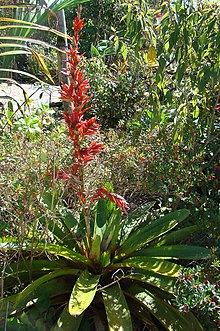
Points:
[[99, 272]]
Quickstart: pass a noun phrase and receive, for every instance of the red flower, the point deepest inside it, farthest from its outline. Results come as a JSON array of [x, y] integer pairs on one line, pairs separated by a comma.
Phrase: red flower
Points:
[[102, 193], [87, 127]]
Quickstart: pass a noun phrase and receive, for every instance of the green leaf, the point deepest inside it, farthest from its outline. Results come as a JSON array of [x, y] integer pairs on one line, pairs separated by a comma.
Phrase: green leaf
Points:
[[171, 318], [29, 40], [176, 252], [64, 4], [94, 51], [142, 314], [175, 236], [135, 219], [100, 219], [46, 278], [146, 234], [147, 263], [180, 72], [166, 283], [83, 292], [54, 249], [111, 233], [116, 308], [94, 254], [66, 322], [98, 231]]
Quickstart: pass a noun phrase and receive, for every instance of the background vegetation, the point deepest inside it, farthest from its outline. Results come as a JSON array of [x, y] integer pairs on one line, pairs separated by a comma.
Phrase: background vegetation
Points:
[[154, 84]]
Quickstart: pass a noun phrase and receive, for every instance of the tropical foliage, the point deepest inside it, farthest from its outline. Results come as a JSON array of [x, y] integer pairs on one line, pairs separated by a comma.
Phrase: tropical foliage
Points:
[[74, 257]]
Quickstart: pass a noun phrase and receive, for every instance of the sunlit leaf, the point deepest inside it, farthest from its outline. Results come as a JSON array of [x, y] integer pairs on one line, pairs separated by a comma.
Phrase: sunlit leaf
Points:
[[33, 286], [171, 318], [166, 283], [147, 263], [66, 322], [42, 64], [151, 56], [83, 292], [176, 236], [146, 234], [116, 308], [176, 252]]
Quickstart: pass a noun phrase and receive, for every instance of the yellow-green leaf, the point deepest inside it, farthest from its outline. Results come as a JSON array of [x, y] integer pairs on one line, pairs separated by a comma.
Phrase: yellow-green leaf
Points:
[[42, 64], [83, 293], [117, 311], [151, 56]]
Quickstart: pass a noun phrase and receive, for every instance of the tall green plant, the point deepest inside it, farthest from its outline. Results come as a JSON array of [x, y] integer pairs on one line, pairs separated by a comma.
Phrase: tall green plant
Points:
[[103, 273]]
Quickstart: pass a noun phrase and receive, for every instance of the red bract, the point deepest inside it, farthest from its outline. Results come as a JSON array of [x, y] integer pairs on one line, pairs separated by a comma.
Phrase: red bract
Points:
[[79, 128], [102, 193]]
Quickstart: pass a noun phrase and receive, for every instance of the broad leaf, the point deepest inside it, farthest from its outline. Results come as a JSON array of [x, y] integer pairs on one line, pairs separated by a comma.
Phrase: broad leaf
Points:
[[142, 314], [83, 293], [176, 236], [111, 233], [147, 263], [176, 252], [66, 322], [166, 283], [116, 308], [148, 233], [33, 286], [49, 248], [171, 318], [134, 220]]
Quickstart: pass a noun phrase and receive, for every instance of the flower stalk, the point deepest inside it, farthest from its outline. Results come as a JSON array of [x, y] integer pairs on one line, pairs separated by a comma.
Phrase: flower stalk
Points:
[[80, 130]]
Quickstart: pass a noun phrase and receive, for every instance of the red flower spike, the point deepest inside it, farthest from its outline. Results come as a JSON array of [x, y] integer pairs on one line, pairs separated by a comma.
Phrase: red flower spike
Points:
[[80, 128]]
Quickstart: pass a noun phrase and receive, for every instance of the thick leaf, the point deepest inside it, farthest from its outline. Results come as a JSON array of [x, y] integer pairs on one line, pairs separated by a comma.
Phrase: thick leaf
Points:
[[147, 263], [142, 314], [176, 252], [171, 318], [23, 271], [33, 286], [83, 293], [111, 232], [134, 219], [100, 219], [166, 283], [116, 308], [49, 248], [94, 254], [176, 236], [94, 51], [146, 234], [66, 322]]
